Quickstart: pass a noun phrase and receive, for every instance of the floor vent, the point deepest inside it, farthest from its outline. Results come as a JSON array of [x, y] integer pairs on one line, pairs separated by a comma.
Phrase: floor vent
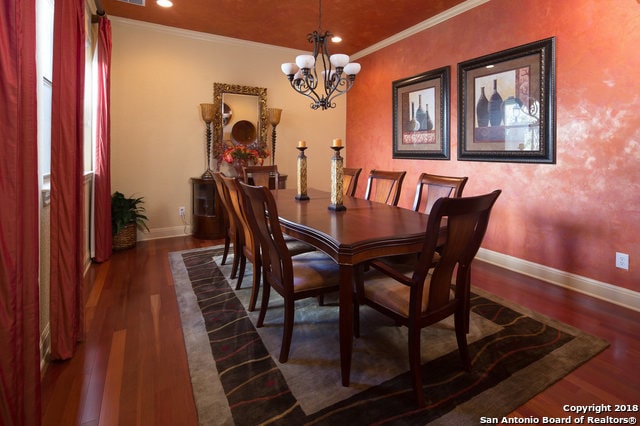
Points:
[[136, 2]]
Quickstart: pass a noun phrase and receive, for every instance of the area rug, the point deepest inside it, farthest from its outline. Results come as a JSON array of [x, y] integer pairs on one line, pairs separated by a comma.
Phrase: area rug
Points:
[[237, 378]]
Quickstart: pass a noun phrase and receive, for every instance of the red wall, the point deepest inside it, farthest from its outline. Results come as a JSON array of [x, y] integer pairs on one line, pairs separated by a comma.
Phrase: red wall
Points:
[[575, 214]]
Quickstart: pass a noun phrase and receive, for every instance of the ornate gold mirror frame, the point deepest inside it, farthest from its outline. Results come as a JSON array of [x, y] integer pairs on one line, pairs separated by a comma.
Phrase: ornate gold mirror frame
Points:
[[219, 90]]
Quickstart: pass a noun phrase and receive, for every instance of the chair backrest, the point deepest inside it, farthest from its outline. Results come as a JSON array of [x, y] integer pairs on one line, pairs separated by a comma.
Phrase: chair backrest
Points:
[[432, 187], [466, 224], [262, 213], [260, 175], [384, 186], [350, 180], [223, 192], [248, 239]]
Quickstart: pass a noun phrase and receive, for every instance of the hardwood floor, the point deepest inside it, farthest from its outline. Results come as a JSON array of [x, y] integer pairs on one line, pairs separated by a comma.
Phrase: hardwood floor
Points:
[[132, 368]]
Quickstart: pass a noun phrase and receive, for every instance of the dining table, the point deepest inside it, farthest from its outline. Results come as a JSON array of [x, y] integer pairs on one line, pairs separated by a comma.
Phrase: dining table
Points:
[[365, 230]]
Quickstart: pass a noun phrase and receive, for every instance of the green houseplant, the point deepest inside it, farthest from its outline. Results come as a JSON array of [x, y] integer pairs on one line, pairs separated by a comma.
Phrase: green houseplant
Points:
[[127, 215]]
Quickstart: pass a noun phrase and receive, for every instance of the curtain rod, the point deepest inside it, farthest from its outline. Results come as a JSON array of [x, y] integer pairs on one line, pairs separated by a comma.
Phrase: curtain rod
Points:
[[99, 9]]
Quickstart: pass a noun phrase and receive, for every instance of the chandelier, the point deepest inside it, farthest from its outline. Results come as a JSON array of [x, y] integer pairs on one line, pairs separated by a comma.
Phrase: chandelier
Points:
[[337, 74]]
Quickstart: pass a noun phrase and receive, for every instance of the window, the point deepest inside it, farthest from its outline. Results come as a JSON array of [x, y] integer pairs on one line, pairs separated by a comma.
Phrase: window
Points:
[[44, 68]]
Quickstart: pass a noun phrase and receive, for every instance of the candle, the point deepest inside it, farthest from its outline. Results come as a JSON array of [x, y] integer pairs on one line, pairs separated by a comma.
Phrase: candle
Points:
[[302, 144], [337, 142]]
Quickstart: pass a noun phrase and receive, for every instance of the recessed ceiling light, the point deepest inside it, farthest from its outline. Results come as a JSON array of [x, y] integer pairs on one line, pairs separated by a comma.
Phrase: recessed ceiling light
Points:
[[164, 3], [336, 39]]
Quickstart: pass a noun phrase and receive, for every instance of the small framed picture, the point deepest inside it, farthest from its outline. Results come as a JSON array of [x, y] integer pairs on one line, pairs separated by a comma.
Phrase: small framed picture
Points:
[[507, 105], [421, 116]]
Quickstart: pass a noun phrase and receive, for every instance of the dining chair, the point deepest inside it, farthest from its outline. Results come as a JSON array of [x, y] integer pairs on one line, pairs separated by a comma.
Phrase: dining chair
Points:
[[431, 187], [249, 250], [350, 180], [293, 277], [425, 295], [261, 175], [250, 246], [384, 186], [232, 236]]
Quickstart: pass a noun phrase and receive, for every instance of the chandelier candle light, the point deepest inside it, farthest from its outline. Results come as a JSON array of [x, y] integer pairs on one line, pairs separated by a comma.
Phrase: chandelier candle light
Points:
[[337, 174], [337, 73], [274, 119], [207, 111], [302, 172]]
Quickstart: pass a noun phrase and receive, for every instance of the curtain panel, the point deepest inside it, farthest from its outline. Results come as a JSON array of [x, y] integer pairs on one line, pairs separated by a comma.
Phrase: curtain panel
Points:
[[103, 237], [19, 259], [67, 169]]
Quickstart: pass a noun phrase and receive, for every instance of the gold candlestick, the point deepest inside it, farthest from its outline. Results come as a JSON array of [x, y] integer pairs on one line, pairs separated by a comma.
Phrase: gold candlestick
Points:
[[302, 174], [336, 179]]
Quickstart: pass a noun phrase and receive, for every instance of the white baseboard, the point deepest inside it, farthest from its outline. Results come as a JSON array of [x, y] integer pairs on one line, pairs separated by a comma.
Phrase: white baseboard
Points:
[[598, 289], [157, 233]]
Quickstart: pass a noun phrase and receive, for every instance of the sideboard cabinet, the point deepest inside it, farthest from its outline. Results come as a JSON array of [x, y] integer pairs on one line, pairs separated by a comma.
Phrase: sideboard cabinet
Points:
[[208, 213]]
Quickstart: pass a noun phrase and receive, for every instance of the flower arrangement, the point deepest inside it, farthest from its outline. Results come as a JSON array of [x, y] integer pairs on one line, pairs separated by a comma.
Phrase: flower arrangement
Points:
[[242, 153]]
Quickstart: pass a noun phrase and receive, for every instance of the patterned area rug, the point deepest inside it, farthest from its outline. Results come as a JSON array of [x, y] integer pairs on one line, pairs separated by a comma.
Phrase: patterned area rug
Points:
[[237, 379]]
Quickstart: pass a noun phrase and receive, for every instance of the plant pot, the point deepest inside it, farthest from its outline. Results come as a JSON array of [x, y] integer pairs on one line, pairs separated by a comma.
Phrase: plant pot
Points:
[[126, 238]]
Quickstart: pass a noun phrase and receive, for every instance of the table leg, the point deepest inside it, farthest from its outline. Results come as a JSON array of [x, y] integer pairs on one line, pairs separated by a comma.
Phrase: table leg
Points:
[[346, 321]]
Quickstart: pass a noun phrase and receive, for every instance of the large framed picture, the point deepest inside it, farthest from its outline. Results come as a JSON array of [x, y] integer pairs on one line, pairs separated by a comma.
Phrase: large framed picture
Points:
[[507, 105], [421, 116]]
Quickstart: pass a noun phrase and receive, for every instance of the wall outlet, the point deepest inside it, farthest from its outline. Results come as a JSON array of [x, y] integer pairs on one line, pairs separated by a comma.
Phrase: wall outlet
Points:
[[181, 211], [622, 261]]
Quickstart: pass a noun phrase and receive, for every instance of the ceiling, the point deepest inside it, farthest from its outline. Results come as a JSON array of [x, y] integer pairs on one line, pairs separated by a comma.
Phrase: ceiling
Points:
[[286, 23]]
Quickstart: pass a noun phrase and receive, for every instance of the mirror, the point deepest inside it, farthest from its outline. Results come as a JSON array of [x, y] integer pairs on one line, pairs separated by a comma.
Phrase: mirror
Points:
[[240, 115]]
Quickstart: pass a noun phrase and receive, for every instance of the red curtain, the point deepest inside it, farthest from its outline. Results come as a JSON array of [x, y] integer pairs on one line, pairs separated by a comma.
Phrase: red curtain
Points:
[[19, 263], [103, 145], [67, 180]]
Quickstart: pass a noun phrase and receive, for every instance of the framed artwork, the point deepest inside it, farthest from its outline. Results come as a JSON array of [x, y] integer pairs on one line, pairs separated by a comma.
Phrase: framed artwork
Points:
[[507, 105], [421, 116]]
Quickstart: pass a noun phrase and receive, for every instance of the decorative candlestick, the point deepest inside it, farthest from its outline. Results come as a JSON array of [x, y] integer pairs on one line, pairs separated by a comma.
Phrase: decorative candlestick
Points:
[[207, 111], [336, 177], [274, 119], [302, 172]]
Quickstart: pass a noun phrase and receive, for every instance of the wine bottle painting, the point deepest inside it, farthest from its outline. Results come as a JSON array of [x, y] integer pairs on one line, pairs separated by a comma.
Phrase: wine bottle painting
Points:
[[423, 102], [501, 101]]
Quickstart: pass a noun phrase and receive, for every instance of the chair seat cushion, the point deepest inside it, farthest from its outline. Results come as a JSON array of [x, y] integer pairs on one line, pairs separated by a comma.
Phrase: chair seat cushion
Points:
[[387, 292], [314, 270], [297, 247]]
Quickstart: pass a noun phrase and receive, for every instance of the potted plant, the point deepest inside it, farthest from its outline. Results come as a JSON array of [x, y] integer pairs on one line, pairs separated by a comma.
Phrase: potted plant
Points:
[[127, 215]]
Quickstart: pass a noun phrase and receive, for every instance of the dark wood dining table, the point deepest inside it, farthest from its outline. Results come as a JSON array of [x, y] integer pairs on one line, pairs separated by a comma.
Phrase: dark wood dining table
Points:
[[365, 230]]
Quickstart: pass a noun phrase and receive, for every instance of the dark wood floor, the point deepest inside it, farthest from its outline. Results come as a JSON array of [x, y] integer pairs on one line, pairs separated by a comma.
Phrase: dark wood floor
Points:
[[132, 368]]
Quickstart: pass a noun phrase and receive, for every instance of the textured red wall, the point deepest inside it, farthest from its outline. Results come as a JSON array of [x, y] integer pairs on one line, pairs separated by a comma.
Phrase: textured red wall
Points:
[[575, 214]]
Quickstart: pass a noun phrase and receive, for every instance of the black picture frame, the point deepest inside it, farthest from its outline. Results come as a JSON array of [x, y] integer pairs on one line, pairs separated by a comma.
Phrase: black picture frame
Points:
[[519, 124], [428, 137]]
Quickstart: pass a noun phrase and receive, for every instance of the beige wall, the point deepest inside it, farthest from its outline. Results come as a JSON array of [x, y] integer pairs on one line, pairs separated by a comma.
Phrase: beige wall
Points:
[[160, 75]]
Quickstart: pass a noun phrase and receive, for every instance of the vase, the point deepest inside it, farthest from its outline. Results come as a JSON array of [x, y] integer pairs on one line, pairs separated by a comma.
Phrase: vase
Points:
[[420, 115], [238, 165], [495, 106], [428, 123], [482, 109]]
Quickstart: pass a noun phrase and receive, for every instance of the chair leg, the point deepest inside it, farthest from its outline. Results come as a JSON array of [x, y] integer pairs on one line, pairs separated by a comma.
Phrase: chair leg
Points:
[[415, 362], [266, 291], [227, 244], [236, 259], [461, 324], [255, 284], [289, 313], [242, 266]]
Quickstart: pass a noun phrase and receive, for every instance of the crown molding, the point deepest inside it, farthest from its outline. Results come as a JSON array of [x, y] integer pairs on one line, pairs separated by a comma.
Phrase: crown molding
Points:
[[196, 35], [431, 22]]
